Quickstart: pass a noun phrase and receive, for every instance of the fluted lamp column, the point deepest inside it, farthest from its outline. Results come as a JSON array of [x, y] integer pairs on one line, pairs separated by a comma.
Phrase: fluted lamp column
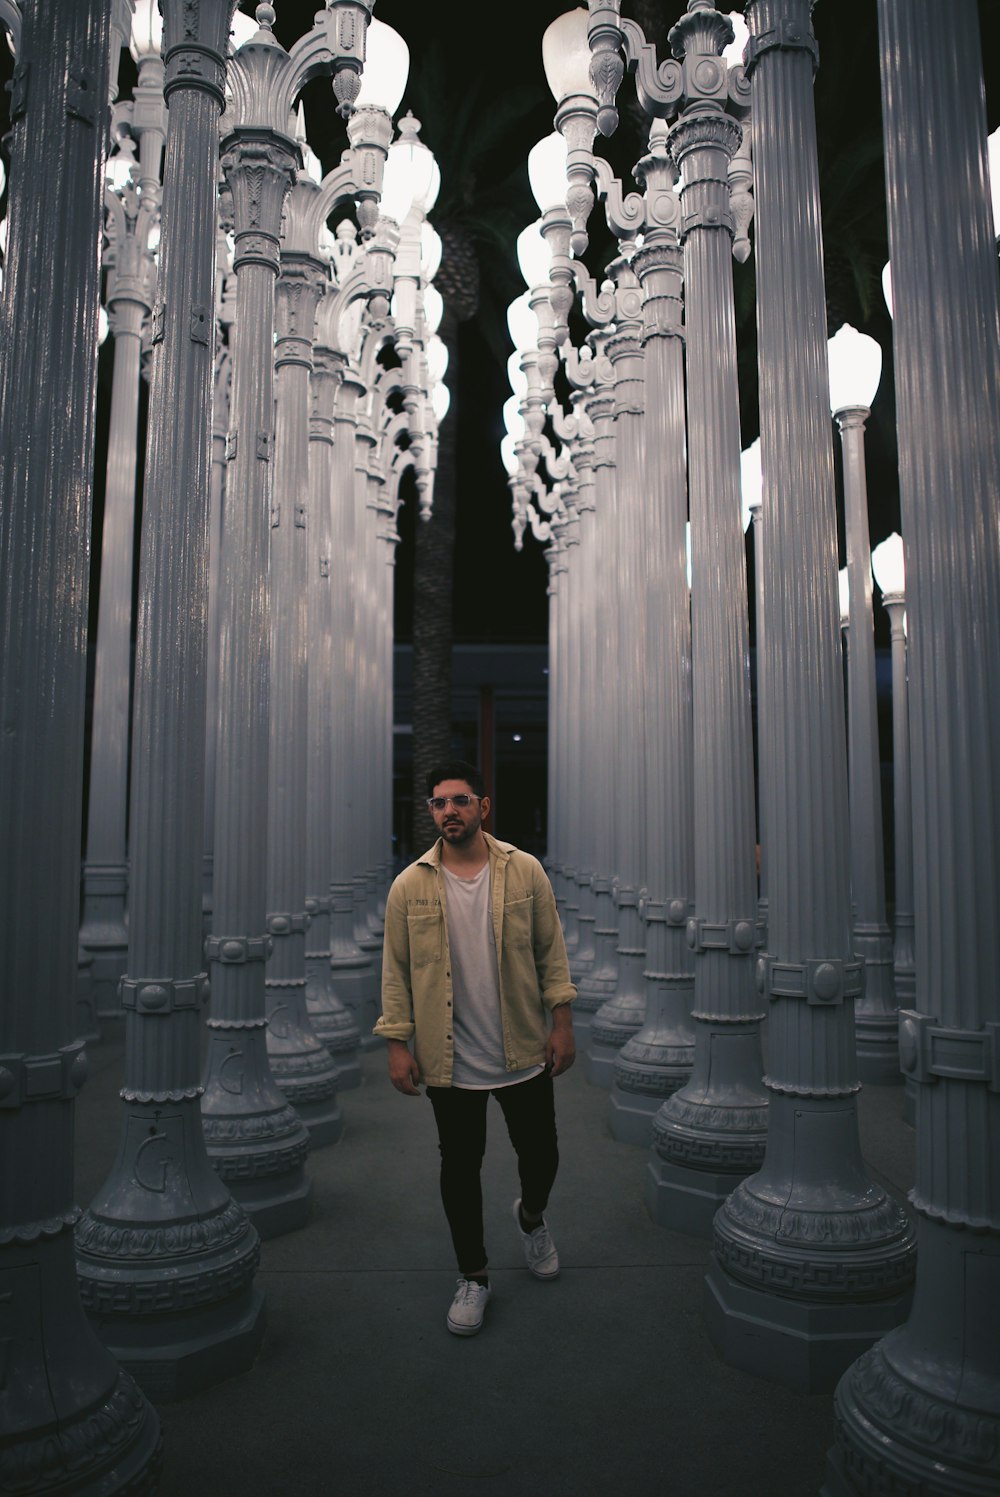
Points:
[[72, 1418], [657, 1060], [566, 59], [166, 1257], [920, 1412], [712, 1130], [255, 1135], [889, 570], [302, 1067], [330, 1017], [855, 370], [811, 1258], [133, 216], [623, 1014], [255, 1138]]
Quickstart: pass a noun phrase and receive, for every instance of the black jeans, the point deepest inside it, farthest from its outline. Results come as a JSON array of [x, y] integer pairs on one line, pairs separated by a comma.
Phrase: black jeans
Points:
[[529, 1112]]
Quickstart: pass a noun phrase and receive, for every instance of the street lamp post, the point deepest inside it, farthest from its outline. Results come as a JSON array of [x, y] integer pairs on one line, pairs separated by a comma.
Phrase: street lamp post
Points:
[[811, 1259], [920, 1411], [711, 1130], [752, 484], [330, 1017], [72, 1417], [165, 1256], [855, 368], [657, 1059], [599, 982], [302, 1067], [887, 565], [132, 214], [566, 58], [624, 1013]]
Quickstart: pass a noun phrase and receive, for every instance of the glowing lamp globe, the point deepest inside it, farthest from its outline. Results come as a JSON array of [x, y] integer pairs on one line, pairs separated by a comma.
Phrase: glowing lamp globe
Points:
[[751, 481], [887, 565], [732, 55], [437, 359], [512, 419], [507, 454], [433, 308], [523, 325], [423, 168], [397, 188], [855, 369], [440, 401], [566, 55], [516, 376], [146, 36], [242, 29], [547, 172], [430, 251], [533, 256], [386, 69]]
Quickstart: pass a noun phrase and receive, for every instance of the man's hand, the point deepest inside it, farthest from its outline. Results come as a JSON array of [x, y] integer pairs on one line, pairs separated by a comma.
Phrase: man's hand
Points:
[[560, 1048], [404, 1072]]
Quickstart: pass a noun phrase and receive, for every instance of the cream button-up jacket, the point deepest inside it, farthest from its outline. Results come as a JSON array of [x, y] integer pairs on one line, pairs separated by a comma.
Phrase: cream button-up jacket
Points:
[[417, 996]]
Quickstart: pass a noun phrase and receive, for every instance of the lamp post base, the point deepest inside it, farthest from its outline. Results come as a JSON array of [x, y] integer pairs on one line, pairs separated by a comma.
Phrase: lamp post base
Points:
[[191, 1353], [630, 1115], [601, 1059], [324, 1121], [275, 1206], [797, 1343], [686, 1200]]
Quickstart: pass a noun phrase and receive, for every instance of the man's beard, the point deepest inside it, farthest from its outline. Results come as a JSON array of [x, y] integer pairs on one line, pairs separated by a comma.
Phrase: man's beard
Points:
[[464, 833]]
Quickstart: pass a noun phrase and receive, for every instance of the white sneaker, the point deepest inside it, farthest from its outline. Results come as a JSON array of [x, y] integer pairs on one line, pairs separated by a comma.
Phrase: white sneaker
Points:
[[539, 1249], [468, 1307]]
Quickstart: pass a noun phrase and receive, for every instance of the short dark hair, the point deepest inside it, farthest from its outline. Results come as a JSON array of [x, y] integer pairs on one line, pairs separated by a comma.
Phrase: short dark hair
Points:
[[456, 769]]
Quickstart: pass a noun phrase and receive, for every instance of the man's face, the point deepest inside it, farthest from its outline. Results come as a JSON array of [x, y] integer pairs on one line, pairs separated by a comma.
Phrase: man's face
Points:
[[458, 825]]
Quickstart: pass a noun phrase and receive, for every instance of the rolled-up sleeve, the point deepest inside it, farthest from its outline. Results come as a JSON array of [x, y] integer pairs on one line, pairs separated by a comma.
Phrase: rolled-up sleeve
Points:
[[551, 961], [396, 1019]]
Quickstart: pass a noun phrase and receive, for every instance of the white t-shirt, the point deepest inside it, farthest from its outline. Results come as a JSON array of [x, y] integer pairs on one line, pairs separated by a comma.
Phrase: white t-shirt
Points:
[[475, 982]]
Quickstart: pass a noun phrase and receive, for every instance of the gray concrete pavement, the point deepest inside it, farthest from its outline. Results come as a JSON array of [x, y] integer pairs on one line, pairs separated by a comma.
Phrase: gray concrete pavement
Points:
[[601, 1382]]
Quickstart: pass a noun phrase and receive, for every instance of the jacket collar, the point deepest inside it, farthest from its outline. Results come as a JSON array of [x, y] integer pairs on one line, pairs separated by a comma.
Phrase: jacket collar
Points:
[[499, 851]]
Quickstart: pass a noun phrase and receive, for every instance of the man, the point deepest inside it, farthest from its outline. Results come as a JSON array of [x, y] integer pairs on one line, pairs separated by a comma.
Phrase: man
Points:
[[475, 973]]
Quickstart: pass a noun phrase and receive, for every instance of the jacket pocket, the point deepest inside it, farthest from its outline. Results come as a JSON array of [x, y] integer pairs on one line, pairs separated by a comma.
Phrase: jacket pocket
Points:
[[424, 932], [517, 922]]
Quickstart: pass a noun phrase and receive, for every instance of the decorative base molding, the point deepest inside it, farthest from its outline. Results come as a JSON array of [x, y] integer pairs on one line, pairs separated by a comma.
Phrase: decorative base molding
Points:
[[630, 1116], [601, 1063], [182, 1357], [323, 1120], [919, 1414], [74, 1421], [797, 1343], [348, 1065], [596, 988], [275, 1206], [684, 1200]]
